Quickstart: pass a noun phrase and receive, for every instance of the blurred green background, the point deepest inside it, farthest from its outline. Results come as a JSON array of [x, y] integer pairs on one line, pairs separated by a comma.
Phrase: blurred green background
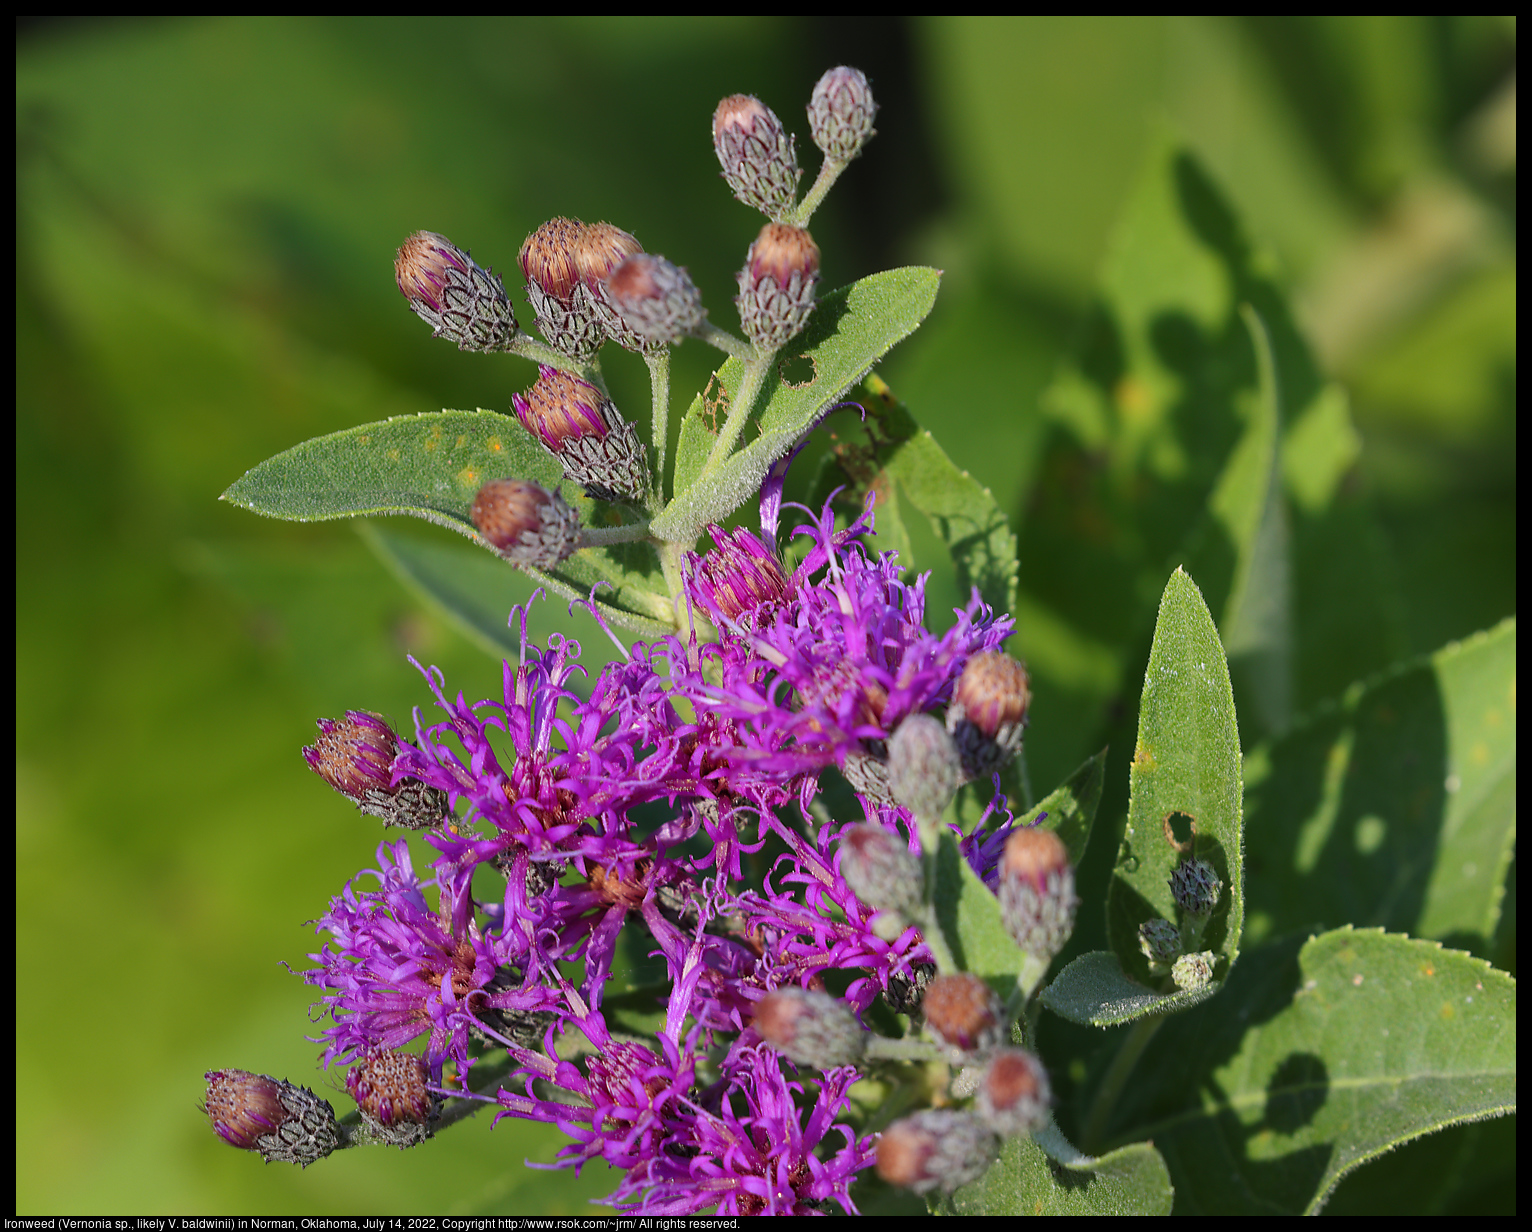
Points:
[[207, 215]]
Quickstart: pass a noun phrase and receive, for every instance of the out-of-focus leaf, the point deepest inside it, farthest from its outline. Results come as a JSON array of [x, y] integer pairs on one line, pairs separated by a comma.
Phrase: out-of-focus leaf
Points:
[[1185, 778], [1345, 1046], [848, 331], [432, 466], [1027, 1180], [1396, 807], [1247, 503]]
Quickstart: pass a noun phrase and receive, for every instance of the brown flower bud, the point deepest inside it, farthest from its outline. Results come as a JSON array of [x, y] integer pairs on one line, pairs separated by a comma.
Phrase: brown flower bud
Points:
[[389, 1087], [580, 426], [964, 1014], [758, 158], [939, 1148], [256, 1112], [566, 314], [810, 1028], [654, 300], [1014, 1093], [776, 286], [355, 756], [452, 294], [1037, 891], [527, 524], [988, 715]]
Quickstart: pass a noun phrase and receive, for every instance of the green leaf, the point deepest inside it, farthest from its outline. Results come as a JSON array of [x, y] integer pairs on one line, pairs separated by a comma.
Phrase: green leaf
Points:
[[431, 467], [962, 511], [1345, 1046], [1186, 769], [1027, 1180], [1396, 807], [1247, 503], [969, 915], [1093, 991], [849, 330]]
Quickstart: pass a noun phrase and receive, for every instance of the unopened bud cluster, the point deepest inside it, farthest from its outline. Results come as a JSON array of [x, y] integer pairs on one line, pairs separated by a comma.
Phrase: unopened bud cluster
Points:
[[940, 1148], [881, 871]]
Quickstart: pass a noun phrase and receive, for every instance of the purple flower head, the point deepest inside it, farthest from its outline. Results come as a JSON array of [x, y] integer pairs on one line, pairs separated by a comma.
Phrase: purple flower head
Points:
[[564, 772], [396, 969], [843, 662]]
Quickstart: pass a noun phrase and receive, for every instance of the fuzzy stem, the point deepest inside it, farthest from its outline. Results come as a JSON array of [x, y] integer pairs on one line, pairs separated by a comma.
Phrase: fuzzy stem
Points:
[[726, 342], [600, 536], [800, 214], [750, 383], [1115, 1078], [659, 388]]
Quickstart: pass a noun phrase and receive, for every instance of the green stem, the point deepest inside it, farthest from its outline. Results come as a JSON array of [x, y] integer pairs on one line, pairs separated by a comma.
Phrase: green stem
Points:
[[750, 383], [725, 341], [800, 214], [659, 389], [529, 347], [1115, 1078], [881, 1048], [600, 536]]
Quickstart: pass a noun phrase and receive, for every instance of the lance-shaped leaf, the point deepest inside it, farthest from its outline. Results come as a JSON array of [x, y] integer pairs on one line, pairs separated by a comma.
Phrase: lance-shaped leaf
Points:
[[1186, 790], [1344, 1046], [1029, 1180], [1395, 807], [848, 331], [432, 466]]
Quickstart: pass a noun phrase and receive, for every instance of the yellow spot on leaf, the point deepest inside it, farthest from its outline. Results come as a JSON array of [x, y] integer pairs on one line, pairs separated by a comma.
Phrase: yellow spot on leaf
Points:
[[1143, 760]]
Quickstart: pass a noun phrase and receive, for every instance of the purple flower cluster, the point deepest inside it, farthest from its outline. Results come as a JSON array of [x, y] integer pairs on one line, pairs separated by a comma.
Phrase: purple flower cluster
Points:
[[640, 807]]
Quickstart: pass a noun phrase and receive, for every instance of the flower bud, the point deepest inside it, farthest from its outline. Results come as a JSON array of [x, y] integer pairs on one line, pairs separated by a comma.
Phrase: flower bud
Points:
[[988, 715], [389, 1086], [256, 1112], [757, 156], [923, 767], [740, 583], [1194, 885], [527, 524], [355, 756], [964, 1014], [566, 315], [880, 870], [1192, 971], [1014, 1093], [1161, 943], [939, 1148], [810, 1028], [776, 287], [840, 113], [580, 426], [654, 300], [601, 248], [1037, 892], [906, 991], [457, 298]]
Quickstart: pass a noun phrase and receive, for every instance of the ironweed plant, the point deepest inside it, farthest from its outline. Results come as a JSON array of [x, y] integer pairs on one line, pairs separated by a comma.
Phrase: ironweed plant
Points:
[[764, 913]]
